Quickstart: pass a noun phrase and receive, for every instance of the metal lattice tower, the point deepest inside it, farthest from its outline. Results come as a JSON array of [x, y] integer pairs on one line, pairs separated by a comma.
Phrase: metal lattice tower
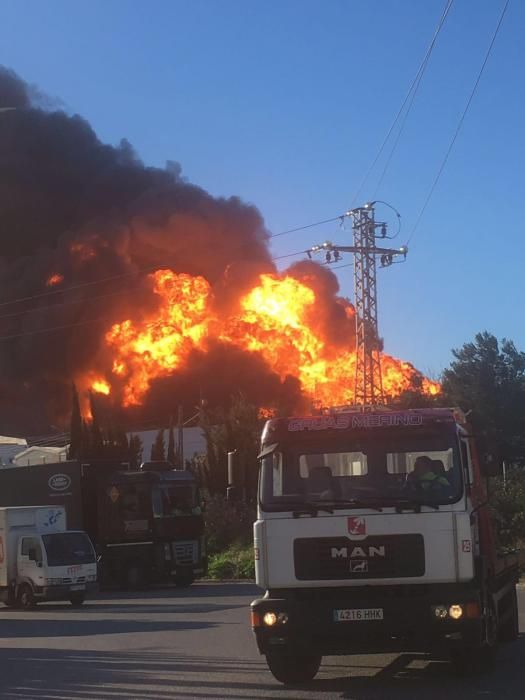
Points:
[[368, 380], [368, 389]]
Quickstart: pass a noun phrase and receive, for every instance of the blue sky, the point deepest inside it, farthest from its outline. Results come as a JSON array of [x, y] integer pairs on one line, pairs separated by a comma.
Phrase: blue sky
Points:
[[286, 103]]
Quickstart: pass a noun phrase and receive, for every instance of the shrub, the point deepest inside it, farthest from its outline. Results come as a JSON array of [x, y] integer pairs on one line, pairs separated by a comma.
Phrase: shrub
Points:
[[236, 562], [228, 524], [508, 502]]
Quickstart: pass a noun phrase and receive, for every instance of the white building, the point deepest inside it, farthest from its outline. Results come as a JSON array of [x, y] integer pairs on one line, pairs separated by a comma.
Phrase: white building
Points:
[[9, 448], [40, 455]]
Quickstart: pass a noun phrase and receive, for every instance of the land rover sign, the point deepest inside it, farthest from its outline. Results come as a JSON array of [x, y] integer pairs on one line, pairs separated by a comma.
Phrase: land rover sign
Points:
[[59, 482]]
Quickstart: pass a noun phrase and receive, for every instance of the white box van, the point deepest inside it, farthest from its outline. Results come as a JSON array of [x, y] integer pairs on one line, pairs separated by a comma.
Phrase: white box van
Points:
[[41, 560]]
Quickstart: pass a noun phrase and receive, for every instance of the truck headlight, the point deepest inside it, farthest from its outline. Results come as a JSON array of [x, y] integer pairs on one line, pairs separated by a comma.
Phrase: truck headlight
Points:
[[91, 577], [455, 611], [270, 619]]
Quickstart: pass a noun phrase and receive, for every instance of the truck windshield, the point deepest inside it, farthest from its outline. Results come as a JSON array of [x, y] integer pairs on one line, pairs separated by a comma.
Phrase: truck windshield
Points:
[[66, 548], [179, 499], [384, 470]]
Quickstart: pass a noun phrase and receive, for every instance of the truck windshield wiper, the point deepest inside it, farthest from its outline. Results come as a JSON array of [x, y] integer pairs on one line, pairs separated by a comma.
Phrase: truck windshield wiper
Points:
[[402, 504], [311, 508], [356, 503]]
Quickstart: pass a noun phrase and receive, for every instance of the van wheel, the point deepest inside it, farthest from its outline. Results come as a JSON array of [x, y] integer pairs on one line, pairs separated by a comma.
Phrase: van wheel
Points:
[[26, 599], [77, 599], [293, 669]]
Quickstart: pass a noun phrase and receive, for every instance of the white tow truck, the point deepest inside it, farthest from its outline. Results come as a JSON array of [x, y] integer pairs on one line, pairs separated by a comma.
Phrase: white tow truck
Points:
[[41, 560], [374, 534]]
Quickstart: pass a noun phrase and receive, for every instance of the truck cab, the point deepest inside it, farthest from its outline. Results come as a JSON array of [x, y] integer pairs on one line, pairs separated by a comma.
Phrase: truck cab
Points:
[[374, 535], [41, 560]]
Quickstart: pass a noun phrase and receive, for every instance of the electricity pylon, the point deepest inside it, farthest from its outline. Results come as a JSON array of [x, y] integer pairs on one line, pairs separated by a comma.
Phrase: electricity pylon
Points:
[[368, 389]]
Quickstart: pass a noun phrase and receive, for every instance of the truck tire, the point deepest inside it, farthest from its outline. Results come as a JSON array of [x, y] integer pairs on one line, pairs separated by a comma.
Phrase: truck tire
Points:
[[77, 599], [133, 577], [509, 632], [25, 598], [184, 580], [293, 669], [479, 659]]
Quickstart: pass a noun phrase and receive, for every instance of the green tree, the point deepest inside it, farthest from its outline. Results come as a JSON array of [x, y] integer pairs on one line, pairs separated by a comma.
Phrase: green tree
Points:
[[96, 437], [237, 427], [158, 453], [75, 430], [507, 499], [487, 378], [135, 451], [172, 455]]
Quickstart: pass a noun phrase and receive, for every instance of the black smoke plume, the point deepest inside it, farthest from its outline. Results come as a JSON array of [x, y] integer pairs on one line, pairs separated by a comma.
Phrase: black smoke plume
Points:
[[86, 211]]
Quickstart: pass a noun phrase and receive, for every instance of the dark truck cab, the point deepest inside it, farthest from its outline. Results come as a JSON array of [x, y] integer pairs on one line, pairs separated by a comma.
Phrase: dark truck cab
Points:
[[147, 526]]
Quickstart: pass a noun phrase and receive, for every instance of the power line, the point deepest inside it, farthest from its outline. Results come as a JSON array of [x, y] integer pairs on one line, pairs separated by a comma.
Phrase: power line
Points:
[[63, 303], [302, 228], [413, 85], [460, 123], [421, 71], [62, 290], [56, 328]]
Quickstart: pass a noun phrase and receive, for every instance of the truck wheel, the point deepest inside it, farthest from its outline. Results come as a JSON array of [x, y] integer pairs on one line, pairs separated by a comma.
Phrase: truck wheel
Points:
[[293, 669], [184, 580], [479, 659], [509, 632], [26, 599], [134, 577], [77, 599]]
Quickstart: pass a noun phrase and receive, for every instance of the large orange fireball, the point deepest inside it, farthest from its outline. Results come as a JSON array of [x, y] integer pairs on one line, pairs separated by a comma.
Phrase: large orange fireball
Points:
[[276, 319]]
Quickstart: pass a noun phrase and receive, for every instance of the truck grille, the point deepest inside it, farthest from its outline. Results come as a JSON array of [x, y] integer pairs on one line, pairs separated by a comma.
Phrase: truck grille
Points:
[[80, 579], [185, 552], [339, 558]]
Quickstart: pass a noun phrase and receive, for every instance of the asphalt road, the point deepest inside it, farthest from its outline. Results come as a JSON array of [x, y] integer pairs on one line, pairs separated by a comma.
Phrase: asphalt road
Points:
[[196, 643]]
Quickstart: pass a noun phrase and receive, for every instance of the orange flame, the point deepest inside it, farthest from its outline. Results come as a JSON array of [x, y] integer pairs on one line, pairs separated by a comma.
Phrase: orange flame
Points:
[[160, 344], [101, 386], [276, 319], [54, 279]]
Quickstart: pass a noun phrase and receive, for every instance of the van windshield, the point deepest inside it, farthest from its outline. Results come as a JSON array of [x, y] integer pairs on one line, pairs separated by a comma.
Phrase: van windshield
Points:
[[383, 469], [66, 548]]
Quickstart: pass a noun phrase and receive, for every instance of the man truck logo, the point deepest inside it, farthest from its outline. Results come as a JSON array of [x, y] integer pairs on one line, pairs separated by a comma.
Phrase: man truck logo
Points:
[[358, 552], [359, 566], [356, 526], [59, 482]]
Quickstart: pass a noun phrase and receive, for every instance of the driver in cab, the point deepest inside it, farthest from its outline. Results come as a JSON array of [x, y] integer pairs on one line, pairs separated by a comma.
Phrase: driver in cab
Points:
[[426, 475]]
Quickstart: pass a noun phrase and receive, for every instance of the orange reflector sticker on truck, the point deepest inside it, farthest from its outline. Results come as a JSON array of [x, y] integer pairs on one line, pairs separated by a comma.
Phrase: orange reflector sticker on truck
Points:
[[472, 610]]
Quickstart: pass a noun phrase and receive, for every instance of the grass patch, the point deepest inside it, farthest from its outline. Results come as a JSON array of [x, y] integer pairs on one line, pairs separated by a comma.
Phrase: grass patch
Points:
[[235, 562]]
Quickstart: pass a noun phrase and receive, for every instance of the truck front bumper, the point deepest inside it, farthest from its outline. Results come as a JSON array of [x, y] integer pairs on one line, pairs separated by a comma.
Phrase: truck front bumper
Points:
[[64, 592], [305, 620]]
